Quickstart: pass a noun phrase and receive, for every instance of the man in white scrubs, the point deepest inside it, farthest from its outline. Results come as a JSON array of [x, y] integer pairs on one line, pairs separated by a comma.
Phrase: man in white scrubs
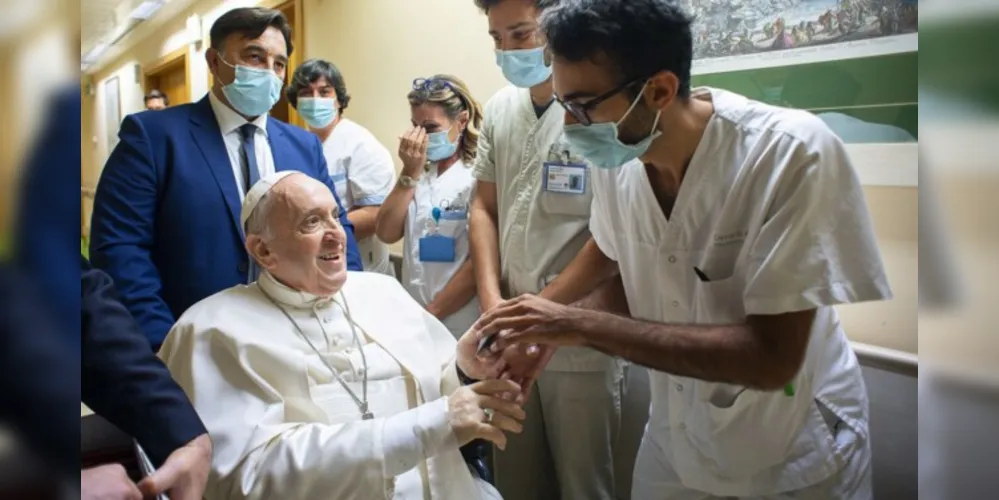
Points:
[[310, 390], [362, 169], [736, 226], [529, 217]]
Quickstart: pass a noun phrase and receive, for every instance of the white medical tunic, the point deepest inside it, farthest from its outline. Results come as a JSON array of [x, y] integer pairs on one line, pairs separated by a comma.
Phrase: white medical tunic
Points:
[[540, 231], [452, 192], [772, 212], [284, 427], [363, 174]]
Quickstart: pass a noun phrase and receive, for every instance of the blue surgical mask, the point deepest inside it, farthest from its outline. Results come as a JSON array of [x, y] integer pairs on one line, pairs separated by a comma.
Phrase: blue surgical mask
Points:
[[254, 91], [439, 147], [600, 145], [318, 112], [524, 68]]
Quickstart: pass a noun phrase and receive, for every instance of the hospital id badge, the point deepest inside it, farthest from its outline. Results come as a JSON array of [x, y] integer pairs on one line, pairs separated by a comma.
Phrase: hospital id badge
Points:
[[436, 248], [564, 178]]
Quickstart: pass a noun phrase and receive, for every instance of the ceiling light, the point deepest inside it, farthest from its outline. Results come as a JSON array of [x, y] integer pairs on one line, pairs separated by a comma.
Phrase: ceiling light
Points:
[[146, 9]]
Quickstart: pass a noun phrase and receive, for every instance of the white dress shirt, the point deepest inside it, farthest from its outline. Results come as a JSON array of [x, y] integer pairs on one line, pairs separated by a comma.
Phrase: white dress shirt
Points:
[[282, 424], [229, 122]]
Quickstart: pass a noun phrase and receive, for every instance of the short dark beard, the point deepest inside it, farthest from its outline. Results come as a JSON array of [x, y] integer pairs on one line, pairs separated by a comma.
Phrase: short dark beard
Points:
[[638, 125]]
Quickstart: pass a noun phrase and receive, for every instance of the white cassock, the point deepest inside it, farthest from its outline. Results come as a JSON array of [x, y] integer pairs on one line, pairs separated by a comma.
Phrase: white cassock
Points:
[[284, 427]]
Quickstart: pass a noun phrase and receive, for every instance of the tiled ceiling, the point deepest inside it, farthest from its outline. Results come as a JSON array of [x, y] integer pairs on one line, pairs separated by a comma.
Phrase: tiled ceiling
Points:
[[102, 20], [99, 18]]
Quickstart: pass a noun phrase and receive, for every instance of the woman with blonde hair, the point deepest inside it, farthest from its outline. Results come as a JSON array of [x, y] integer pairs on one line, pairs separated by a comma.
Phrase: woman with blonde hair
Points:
[[428, 207]]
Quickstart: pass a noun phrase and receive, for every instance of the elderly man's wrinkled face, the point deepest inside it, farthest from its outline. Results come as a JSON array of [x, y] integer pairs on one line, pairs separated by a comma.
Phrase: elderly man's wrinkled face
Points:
[[306, 247]]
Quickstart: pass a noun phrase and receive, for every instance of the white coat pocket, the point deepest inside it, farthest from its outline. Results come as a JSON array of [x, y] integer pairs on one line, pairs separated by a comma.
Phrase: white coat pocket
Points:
[[719, 302], [453, 225], [577, 205], [742, 432]]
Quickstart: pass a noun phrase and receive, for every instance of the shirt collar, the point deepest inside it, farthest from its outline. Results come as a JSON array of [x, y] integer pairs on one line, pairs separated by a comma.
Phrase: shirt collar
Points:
[[229, 120], [286, 295]]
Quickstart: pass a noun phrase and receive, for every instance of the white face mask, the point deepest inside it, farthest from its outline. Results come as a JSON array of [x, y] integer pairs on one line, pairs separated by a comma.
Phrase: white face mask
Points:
[[599, 142], [254, 91], [318, 112]]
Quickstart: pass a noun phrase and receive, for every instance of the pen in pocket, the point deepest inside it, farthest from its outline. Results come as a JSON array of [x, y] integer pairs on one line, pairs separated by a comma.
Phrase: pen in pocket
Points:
[[700, 275]]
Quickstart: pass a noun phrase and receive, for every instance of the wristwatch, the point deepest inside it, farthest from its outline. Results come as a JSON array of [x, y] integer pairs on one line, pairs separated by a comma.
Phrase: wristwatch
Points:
[[407, 181]]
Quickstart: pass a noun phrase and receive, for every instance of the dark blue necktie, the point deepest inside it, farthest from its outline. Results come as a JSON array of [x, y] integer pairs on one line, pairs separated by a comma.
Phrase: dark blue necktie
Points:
[[251, 174]]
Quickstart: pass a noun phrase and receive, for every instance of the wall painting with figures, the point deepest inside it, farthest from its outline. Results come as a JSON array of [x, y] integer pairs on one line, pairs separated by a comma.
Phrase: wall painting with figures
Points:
[[733, 35]]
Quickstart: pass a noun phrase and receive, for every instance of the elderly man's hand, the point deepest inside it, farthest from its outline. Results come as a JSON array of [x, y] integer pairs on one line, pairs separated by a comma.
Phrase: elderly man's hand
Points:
[[477, 367], [185, 472], [107, 482], [469, 408]]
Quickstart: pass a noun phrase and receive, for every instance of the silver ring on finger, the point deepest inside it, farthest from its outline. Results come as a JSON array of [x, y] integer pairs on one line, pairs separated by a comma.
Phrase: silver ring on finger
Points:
[[489, 415]]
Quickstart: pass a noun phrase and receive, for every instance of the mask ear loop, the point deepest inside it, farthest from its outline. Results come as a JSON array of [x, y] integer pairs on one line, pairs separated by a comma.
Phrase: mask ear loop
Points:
[[634, 103]]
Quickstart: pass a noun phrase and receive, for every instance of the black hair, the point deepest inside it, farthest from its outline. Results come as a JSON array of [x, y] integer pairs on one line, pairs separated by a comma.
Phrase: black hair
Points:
[[250, 22], [308, 72], [156, 94], [485, 5], [639, 37]]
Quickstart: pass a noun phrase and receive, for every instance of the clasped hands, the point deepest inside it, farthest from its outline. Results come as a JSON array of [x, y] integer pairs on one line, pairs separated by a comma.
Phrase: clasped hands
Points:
[[528, 330]]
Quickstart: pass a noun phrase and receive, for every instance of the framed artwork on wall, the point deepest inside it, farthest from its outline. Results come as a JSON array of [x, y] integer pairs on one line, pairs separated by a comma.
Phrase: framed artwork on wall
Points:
[[734, 35], [853, 63], [112, 111]]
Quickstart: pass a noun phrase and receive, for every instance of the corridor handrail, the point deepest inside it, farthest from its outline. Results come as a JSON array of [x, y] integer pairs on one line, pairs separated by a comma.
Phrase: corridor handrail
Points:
[[883, 358]]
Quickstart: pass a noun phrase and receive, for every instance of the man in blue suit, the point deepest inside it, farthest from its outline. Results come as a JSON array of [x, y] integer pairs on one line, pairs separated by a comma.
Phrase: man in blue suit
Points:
[[166, 214]]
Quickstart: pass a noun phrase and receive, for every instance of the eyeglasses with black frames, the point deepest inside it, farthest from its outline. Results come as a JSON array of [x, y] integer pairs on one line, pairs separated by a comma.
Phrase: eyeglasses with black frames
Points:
[[580, 111]]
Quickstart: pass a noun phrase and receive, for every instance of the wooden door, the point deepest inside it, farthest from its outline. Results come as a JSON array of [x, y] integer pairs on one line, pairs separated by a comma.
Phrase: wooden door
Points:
[[172, 82], [169, 76], [283, 110]]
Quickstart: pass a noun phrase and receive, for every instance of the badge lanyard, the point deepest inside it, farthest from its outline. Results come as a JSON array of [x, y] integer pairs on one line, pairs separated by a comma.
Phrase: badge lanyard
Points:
[[436, 208], [362, 403]]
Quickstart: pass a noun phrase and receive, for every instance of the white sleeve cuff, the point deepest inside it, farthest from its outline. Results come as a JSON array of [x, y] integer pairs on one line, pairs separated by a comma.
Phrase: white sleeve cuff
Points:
[[415, 435]]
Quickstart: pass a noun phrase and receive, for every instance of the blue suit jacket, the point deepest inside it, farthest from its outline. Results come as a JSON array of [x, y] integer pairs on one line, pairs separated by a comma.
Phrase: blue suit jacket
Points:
[[166, 226]]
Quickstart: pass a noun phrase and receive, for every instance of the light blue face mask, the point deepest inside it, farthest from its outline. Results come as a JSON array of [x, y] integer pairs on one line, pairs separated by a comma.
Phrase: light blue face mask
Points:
[[524, 68], [439, 147], [318, 112], [254, 91], [600, 145]]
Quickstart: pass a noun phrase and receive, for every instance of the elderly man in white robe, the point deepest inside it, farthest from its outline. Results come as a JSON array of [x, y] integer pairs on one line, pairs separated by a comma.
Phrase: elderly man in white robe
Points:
[[318, 383]]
